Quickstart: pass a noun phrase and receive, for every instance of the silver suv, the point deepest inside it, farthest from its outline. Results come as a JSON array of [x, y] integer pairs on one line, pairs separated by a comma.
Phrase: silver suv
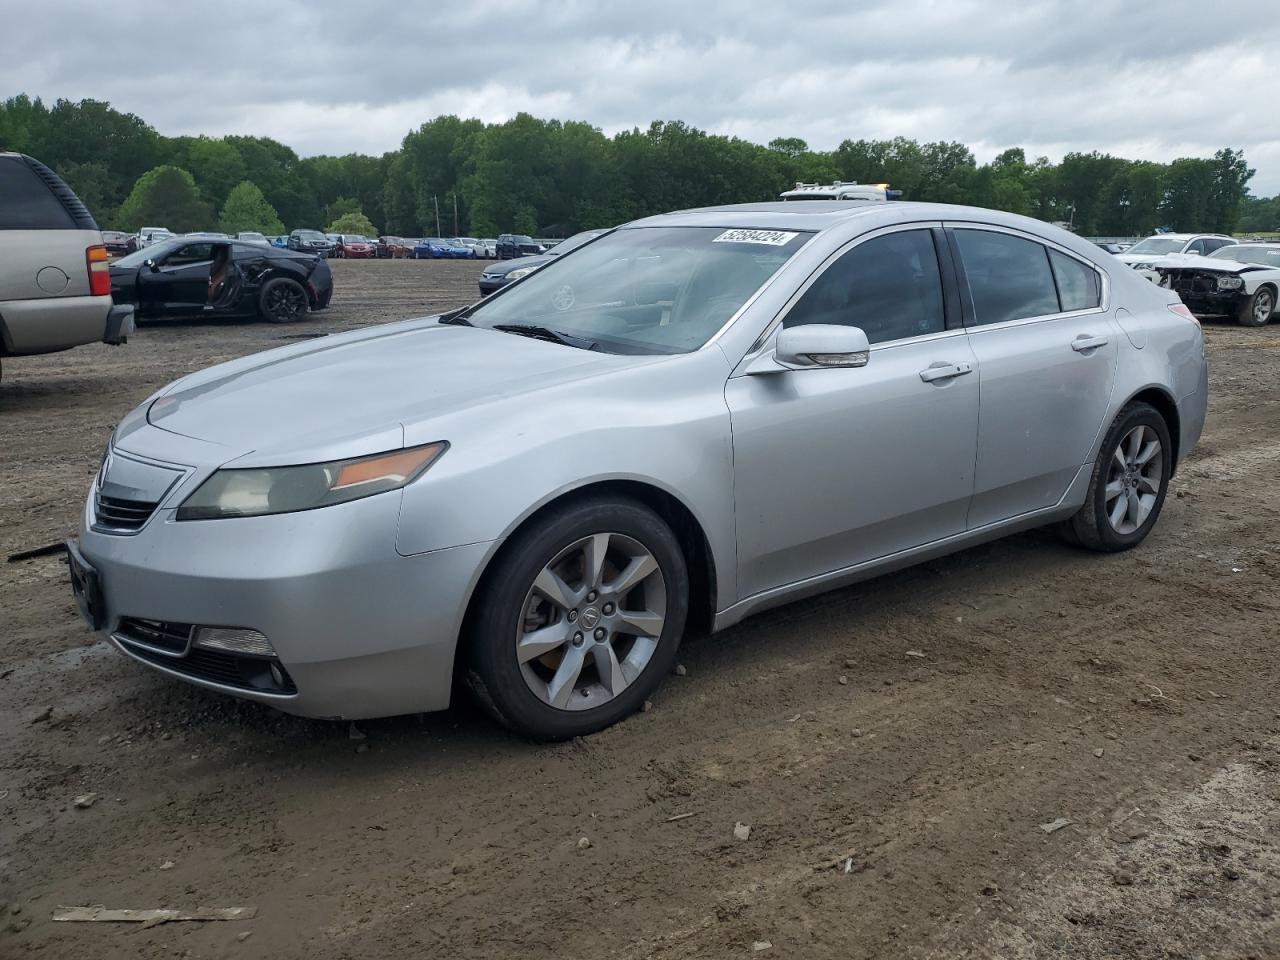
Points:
[[55, 288]]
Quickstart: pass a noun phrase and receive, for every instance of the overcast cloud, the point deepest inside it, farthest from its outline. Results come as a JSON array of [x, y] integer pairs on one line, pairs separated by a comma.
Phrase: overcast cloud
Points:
[[1142, 80]]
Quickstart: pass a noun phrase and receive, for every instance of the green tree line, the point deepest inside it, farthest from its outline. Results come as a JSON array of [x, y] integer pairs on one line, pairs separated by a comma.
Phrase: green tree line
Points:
[[552, 177]]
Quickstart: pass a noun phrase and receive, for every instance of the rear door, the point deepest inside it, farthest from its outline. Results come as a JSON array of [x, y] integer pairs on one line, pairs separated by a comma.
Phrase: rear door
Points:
[[837, 467], [1046, 352]]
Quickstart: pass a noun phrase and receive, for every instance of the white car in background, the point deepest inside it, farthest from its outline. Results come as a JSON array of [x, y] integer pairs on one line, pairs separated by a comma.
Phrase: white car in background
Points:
[[149, 235], [1241, 281], [487, 249], [1165, 244]]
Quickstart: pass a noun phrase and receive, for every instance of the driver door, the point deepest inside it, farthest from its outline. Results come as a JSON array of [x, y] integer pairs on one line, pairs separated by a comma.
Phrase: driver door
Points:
[[836, 467], [179, 284]]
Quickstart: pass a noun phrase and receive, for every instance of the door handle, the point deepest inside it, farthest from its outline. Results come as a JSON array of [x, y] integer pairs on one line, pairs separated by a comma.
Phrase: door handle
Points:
[[945, 371], [1085, 342]]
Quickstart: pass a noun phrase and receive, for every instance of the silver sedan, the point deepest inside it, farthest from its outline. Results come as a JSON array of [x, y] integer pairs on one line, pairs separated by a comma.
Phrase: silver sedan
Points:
[[686, 420]]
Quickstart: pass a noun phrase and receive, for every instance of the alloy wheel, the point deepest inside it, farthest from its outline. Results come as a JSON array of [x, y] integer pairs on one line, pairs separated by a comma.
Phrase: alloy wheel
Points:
[[1263, 305], [286, 302], [591, 621], [1134, 476]]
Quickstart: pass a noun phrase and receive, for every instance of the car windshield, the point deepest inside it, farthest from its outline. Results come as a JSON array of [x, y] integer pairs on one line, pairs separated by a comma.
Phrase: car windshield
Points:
[[351, 238], [311, 235], [1249, 253], [153, 252], [574, 242], [1157, 246], [432, 240], [646, 289]]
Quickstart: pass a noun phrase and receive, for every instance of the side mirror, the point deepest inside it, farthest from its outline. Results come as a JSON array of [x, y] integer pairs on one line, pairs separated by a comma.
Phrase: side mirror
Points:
[[814, 346], [150, 265], [820, 345]]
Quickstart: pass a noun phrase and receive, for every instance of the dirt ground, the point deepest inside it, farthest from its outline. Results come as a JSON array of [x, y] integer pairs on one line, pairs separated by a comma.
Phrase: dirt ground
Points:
[[895, 800]]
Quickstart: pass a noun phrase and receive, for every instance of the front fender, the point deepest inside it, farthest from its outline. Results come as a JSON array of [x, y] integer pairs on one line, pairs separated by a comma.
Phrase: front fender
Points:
[[509, 458]]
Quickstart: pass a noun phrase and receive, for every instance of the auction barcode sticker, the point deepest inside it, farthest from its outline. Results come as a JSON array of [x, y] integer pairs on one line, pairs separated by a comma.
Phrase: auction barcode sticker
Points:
[[772, 238]]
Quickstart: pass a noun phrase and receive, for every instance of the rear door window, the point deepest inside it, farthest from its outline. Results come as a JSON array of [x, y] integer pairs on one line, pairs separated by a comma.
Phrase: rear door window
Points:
[[1079, 286], [1009, 277], [26, 203]]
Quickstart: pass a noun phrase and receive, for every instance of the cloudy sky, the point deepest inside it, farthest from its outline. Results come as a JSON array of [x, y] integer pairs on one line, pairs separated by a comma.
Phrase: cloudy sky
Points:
[[1144, 80]]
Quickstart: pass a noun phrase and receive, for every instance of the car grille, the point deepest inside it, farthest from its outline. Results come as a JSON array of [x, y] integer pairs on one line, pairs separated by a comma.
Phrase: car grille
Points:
[[121, 514], [1193, 283], [166, 644]]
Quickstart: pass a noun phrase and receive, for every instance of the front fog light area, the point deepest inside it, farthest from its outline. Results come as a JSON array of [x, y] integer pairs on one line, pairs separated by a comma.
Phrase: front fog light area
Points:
[[234, 640]]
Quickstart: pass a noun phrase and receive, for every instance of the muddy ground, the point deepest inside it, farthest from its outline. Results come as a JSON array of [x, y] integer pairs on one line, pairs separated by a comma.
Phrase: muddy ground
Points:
[[894, 814]]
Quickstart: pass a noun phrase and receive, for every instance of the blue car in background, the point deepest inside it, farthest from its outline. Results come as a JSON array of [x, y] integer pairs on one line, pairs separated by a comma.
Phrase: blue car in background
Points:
[[434, 248]]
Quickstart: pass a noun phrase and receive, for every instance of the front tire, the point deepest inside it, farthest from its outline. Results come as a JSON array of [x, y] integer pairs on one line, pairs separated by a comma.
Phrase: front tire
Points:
[[1129, 483], [282, 301], [579, 619], [1257, 310]]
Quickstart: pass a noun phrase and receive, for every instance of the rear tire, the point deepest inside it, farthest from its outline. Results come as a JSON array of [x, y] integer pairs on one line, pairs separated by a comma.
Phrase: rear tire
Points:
[[282, 300], [1128, 485], [603, 578], [1257, 310]]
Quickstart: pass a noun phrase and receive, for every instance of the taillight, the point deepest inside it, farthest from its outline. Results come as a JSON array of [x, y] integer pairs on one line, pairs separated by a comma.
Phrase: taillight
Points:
[[95, 259], [1182, 310]]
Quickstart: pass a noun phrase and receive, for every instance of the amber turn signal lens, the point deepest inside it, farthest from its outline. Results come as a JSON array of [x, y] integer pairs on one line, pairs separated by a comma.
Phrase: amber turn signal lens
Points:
[[398, 466]]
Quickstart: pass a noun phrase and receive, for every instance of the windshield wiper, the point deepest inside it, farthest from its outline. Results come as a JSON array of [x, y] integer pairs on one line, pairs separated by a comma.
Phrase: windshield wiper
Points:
[[546, 333]]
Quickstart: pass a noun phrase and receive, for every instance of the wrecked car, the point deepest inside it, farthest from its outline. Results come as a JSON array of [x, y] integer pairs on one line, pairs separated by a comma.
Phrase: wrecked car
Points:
[[199, 276], [1240, 281]]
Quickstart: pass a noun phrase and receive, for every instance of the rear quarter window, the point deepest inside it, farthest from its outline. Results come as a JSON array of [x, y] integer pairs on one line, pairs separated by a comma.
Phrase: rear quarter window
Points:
[[26, 202], [1079, 286]]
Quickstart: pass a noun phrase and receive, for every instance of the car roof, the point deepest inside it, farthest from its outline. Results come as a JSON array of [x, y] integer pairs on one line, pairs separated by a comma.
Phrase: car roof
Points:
[[819, 215], [1185, 236]]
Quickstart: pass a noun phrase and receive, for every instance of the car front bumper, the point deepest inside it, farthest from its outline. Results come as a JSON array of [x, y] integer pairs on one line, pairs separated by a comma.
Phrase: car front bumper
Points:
[[361, 630], [488, 286]]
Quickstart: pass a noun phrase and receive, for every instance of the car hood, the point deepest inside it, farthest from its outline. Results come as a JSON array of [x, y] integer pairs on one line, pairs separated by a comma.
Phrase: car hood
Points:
[[1193, 262], [502, 268], [1145, 258], [352, 394]]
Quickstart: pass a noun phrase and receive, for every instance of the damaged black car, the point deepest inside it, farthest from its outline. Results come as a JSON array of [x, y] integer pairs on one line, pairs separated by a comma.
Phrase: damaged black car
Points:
[[203, 276]]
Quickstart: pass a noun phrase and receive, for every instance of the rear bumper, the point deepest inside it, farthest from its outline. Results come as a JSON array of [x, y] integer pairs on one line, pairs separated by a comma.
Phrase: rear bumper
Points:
[[53, 323], [1192, 411], [119, 325]]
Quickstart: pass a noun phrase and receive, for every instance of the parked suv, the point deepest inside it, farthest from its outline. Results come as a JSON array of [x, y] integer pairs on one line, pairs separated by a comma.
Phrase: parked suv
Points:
[[55, 289], [517, 245], [311, 241]]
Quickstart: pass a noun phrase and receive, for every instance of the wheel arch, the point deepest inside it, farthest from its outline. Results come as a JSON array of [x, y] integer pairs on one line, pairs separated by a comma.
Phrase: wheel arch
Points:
[[278, 272], [1162, 400], [695, 546]]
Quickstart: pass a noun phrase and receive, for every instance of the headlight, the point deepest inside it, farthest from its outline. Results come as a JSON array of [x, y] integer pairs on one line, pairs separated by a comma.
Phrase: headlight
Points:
[[256, 492], [1230, 283], [522, 272]]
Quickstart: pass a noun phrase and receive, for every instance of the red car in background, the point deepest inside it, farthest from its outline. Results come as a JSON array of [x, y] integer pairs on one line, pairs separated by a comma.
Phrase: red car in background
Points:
[[355, 247], [119, 243]]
